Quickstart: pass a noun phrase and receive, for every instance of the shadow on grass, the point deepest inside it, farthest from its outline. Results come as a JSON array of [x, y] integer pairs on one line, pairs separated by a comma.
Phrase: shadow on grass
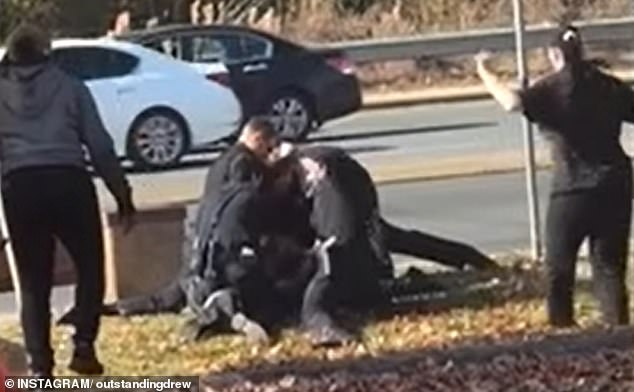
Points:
[[444, 291], [553, 345]]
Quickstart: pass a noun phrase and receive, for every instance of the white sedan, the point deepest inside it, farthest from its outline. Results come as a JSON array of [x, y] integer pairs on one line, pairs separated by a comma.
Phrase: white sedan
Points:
[[157, 109]]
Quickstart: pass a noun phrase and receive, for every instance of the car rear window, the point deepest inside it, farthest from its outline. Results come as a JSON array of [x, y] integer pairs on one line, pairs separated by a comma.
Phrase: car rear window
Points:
[[225, 47], [90, 63]]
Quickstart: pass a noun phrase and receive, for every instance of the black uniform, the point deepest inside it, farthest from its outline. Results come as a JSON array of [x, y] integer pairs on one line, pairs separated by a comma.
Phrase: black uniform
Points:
[[293, 275], [286, 262], [235, 173], [345, 206], [225, 223], [385, 237], [581, 110]]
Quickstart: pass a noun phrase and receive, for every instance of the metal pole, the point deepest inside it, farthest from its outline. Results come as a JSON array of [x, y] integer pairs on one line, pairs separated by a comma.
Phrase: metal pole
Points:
[[529, 140]]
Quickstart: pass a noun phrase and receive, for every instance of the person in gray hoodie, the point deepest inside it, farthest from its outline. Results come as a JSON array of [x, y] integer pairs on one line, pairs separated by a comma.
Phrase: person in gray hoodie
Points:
[[48, 121]]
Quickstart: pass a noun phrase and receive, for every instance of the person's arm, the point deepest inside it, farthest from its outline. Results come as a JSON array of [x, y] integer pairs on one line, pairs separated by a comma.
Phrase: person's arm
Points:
[[203, 222], [508, 98], [627, 102], [102, 153], [244, 171]]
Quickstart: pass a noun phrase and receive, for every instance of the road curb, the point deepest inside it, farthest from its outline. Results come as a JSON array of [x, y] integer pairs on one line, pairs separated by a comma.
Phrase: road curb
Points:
[[372, 101], [410, 98], [466, 166], [384, 171]]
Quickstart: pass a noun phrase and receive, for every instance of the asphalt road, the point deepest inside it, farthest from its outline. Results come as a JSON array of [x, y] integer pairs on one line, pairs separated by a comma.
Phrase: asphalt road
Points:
[[422, 134], [488, 212]]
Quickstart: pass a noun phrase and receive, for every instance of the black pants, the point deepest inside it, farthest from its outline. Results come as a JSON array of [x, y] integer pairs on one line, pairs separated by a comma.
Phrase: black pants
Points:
[[224, 265], [603, 216], [425, 246], [348, 278], [169, 299], [318, 297], [43, 204]]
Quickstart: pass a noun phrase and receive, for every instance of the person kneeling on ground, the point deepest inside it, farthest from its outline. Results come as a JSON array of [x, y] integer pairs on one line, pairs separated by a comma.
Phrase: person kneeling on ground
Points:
[[213, 259], [342, 210]]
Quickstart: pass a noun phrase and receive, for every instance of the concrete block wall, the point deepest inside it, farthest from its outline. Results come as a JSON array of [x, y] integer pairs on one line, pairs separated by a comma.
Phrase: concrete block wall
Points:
[[138, 263]]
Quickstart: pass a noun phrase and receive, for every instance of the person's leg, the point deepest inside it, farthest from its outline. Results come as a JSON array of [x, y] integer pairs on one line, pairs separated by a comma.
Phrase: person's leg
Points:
[[318, 303], [169, 299], [78, 226], [609, 250], [425, 246], [566, 228], [216, 298], [316, 297], [378, 236], [33, 247]]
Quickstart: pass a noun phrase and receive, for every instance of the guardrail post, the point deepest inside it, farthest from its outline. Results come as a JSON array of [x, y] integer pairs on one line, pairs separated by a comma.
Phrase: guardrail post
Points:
[[529, 140]]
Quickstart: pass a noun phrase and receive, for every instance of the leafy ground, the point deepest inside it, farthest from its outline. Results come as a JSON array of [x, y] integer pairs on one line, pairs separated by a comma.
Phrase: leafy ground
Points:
[[604, 370], [477, 309]]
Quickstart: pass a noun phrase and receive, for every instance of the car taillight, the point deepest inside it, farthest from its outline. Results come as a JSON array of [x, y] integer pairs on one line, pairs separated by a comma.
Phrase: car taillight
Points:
[[343, 64], [221, 78]]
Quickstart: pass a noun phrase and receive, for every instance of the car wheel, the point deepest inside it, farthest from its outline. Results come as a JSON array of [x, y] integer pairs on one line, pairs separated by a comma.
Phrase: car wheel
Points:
[[293, 115], [158, 140]]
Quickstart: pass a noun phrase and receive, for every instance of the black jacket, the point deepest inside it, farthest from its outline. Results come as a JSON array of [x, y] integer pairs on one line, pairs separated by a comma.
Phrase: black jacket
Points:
[[47, 118], [346, 205], [346, 199], [236, 171]]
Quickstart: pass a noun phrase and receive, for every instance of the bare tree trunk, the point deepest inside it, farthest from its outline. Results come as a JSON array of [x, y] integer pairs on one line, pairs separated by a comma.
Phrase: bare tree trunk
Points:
[[180, 11], [572, 10], [282, 9], [196, 12]]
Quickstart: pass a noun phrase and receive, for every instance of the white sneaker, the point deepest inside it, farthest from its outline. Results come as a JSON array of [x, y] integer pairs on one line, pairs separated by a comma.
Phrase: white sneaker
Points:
[[253, 331]]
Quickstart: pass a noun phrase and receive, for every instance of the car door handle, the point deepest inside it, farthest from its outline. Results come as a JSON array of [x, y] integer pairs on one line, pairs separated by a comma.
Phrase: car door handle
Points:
[[255, 67], [125, 90]]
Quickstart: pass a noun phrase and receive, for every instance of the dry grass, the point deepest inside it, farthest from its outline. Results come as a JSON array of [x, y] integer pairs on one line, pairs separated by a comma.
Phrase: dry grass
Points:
[[498, 312], [322, 22], [394, 76]]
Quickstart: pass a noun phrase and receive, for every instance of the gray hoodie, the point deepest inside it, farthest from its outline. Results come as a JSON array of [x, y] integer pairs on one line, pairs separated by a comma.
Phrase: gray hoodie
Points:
[[48, 118]]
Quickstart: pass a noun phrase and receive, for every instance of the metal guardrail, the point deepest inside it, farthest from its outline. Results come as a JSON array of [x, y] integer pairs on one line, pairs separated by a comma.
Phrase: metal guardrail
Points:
[[470, 42]]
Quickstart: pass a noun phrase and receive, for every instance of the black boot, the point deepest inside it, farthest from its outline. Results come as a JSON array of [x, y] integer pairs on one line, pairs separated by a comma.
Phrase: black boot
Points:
[[85, 360], [323, 332], [68, 318], [329, 336], [41, 364], [43, 377], [480, 262]]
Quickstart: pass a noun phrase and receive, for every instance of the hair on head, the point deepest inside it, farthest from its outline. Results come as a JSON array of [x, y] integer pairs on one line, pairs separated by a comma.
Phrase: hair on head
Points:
[[568, 40], [28, 44], [262, 126]]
